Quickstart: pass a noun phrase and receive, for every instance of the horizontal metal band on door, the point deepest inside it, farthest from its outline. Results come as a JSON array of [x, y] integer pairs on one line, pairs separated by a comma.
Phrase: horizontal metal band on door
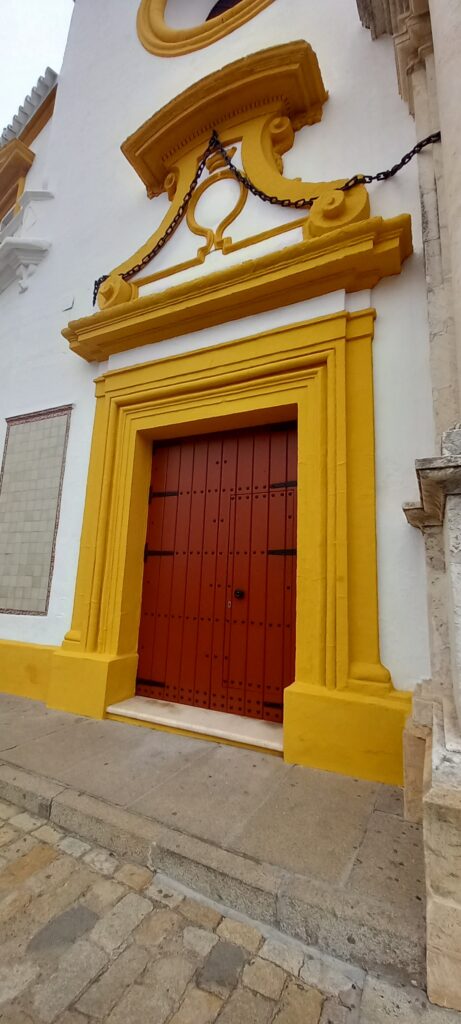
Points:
[[282, 551], [271, 551]]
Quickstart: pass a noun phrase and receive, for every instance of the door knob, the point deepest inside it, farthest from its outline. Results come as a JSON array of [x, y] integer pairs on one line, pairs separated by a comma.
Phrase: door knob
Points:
[[239, 594]]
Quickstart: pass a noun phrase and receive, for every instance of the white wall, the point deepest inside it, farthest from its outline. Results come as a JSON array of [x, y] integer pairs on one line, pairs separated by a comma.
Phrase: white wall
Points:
[[37, 177], [109, 85]]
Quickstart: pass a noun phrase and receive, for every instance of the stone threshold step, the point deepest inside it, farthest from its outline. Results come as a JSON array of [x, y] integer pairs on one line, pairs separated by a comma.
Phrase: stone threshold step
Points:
[[216, 725], [344, 923]]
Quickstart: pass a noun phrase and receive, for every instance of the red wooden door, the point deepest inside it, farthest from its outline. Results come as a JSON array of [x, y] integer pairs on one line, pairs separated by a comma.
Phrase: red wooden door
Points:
[[218, 608]]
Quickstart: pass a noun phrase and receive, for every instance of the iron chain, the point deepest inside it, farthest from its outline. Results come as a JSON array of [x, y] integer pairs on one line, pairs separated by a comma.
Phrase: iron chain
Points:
[[215, 145], [366, 179]]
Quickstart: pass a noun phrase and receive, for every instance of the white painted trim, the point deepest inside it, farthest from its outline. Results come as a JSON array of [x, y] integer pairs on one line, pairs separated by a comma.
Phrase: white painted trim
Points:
[[18, 259], [10, 225]]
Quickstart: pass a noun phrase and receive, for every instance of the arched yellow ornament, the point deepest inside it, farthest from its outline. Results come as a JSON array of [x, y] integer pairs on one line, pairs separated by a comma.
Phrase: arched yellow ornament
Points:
[[159, 38]]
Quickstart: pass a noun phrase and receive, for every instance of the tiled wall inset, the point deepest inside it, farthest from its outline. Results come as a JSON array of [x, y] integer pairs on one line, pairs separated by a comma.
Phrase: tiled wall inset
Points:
[[30, 496]]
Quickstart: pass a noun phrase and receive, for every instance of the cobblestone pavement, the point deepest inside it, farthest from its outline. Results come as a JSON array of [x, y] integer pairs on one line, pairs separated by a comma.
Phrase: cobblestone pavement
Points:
[[86, 937]]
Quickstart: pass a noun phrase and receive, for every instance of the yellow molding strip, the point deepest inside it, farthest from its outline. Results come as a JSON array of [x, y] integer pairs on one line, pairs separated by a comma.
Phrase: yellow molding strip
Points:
[[353, 257], [227, 246]]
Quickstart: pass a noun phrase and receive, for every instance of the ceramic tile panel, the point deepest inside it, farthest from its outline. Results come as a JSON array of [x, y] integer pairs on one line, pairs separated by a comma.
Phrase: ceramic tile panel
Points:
[[30, 496]]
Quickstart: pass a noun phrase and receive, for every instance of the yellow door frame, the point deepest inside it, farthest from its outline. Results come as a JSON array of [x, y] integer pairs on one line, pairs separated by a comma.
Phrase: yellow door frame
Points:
[[341, 712]]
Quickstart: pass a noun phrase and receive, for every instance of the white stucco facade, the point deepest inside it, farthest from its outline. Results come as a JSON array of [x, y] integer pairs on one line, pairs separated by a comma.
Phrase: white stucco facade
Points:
[[99, 215]]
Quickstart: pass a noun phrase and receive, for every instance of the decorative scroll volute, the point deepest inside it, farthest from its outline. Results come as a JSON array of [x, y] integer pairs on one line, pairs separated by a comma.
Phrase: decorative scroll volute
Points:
[[264, 142]]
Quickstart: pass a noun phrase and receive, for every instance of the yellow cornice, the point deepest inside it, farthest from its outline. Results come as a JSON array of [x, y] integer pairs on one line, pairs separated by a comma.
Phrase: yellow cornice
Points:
[[160, 38], [283, 81], [15, 161], [353, 257]]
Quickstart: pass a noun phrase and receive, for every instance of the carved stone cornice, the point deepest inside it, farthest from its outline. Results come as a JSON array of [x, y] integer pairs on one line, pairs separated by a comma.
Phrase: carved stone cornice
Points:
[[437, 478], [284, 81], [408, 21], [19, 258]]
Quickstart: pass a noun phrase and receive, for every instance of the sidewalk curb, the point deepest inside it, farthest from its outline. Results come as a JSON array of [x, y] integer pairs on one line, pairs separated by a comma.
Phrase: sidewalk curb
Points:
[[343, 923]]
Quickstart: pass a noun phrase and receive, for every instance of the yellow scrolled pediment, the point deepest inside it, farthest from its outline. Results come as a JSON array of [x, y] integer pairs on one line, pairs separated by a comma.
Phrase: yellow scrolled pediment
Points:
[[255, 105]]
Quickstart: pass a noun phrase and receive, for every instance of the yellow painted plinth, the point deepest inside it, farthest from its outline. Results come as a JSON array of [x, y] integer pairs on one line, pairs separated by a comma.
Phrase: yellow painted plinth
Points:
[[335, 730], [85, 684], [25, 669], [346, 732]]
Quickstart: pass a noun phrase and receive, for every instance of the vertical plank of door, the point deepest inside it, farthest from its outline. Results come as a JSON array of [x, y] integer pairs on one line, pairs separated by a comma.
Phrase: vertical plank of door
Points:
[[151, 569], [256, 600], [238, 626], [290, 565], [194, 570], [275, 578], [208, 587], [178, 686], [223, 579], [169, 511]]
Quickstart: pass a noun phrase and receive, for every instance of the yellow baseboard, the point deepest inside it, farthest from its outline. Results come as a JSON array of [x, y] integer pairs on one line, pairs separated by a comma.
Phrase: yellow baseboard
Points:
[[25, 669], [346, 732], [85, 684]]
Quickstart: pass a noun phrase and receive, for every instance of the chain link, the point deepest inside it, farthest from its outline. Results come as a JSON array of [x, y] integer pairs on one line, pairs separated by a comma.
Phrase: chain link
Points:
[[366, 179], [215, 146]]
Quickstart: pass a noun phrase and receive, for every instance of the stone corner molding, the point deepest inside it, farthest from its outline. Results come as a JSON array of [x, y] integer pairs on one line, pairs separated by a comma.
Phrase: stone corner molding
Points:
[[19, 258], [409, 22], [159, 38], [437, 478]]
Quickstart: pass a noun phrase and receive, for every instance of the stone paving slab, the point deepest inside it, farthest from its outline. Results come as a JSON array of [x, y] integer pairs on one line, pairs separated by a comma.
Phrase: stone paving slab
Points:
[[333, 808], [325, 858], [77, 947]]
